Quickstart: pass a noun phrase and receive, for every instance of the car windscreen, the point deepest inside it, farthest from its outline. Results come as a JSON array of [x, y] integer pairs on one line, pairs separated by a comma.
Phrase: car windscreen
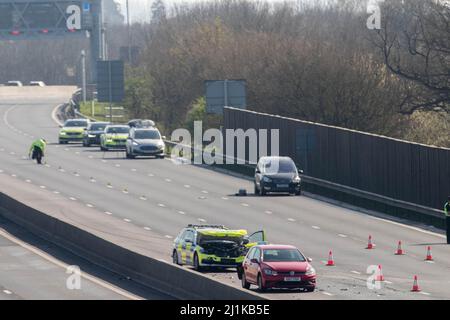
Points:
[[147, 134], [97, 127], [118, 130], [279, 166], [282, 255], [75, 124]]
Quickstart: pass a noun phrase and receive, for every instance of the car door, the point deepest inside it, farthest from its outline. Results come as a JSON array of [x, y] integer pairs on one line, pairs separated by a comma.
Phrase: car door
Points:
[[253, 267], [246, 262], [256, 238], [179, 246], [188, 247], [258, 175]]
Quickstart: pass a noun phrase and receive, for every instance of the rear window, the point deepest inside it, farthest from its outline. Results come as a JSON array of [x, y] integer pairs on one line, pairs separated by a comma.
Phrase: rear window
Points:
[[283, 255], [76, 123], [274, 166], [118, 130], [98, 127], [147, 134]]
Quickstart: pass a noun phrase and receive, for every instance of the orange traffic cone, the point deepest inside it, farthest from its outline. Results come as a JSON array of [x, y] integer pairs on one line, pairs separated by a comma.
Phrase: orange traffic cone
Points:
[[429, 256], [415, 287], [400, 251], [370, 245], [330, 262], [380, 276]]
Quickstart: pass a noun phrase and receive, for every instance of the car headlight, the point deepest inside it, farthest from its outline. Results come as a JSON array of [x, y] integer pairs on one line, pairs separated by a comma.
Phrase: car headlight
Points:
[[267, 179], [270, 272], [296, 179], [91, 135], [310, 271], [161, 146], [135, 143], [63, 133]]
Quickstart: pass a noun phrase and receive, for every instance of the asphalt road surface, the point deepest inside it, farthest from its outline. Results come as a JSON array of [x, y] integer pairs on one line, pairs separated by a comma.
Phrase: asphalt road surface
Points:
[[163, 197]]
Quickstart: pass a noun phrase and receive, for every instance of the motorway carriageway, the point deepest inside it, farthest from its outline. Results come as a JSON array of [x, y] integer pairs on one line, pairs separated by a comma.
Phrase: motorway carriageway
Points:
[[162, 198]]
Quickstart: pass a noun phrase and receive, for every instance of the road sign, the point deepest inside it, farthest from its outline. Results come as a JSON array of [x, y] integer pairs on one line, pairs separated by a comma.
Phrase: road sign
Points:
[[225, 93], [110, 81]]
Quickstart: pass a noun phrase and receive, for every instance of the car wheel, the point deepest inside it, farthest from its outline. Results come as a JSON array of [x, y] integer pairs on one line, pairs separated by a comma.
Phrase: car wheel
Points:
[[103, 148], [310, 289], [197, 266], [175, 258], [244, 282], [261, 286], [299, 192]]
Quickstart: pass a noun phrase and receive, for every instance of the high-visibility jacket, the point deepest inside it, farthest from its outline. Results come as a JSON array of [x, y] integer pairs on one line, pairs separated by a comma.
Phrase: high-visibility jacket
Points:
[[447, 208], [40, 143]]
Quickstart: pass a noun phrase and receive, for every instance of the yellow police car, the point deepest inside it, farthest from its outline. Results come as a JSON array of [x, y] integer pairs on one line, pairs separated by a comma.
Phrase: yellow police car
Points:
[[213, 246]]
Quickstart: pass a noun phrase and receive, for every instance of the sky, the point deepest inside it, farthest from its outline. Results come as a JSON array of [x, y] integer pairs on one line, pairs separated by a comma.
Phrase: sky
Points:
[[140, 9]]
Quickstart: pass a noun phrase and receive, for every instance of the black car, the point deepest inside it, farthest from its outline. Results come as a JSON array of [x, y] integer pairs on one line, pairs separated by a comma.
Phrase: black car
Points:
[[93, 132], [277, 174]]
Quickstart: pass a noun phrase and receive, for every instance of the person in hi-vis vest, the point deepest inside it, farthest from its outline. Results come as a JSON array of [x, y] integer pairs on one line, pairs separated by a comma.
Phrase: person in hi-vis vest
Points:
[[447, 218]]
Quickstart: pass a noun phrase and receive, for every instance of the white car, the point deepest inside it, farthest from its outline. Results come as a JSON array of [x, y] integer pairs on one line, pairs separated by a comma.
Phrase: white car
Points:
[[37, 84], [14, 84], [145, 142]]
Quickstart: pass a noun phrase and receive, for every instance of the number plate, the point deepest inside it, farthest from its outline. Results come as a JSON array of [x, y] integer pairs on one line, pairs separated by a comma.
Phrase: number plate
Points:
[[282, 186], [292, 279]]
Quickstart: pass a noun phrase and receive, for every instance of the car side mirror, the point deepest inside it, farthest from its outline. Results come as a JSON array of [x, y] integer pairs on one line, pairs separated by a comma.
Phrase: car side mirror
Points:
[[300, 171], [257, 171], [309, 259], [164, 137], [254, 261], [245, 241]]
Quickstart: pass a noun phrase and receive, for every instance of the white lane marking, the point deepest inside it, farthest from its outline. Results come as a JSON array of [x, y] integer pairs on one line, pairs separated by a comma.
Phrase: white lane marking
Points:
[[90, 157], [168, 180], [315, 227], [168, 237], [429, 261], [182, 212], [127, 220], [291, 220], [42, 187], [161, 205], [408, 227], [56, 192], [187, 186], [14, 175], [245, 204], [388, 282], [93, 180], [117, 165], [125, 191], [327, 293], [355, 272], [108, 213], [60, 264], [73, 199], [89, 205], [205, 192], [224, 198], [151, 175], [201, 220], [104, 161], [424, 293], [28, 181], [12, 153], [7, 292], [134, 170], [147, 228], [143, 198], [1, 171], [342, 235], [47, 165]]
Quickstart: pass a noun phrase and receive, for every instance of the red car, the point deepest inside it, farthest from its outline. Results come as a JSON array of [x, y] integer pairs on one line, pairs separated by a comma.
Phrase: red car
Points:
[[277, 266]]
